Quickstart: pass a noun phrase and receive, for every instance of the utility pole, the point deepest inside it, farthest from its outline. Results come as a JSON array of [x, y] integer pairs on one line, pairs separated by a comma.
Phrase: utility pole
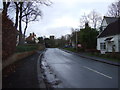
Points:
[[76, 39]]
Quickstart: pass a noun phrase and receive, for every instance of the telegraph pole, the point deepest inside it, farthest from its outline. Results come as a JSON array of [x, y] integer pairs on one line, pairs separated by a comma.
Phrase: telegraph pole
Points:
[[76, 39]]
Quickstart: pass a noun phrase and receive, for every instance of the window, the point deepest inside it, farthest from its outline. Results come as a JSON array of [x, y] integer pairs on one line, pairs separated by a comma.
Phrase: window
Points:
[[102, 46]]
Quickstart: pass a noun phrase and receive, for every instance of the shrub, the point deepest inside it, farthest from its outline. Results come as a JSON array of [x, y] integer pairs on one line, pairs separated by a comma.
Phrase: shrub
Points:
[[92, 50], [81, 49], [24, 48], [112, 55]]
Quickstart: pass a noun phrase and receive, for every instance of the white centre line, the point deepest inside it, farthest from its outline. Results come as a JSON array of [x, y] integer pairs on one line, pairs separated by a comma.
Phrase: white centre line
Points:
[[97, 72]]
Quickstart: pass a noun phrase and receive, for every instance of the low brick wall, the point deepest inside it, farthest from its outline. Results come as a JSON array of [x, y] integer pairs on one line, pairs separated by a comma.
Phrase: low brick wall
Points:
[[16, 57]]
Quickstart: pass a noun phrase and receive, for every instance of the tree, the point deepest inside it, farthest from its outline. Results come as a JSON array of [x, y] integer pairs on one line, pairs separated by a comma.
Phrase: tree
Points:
[[93, 18], [73, 35], [5, 7], [30, 13], [47, 42], [84, 19], [26, 12], [114, 9], [20, 24], [17, 13], [62, 41], [40, 40], [88, 37]]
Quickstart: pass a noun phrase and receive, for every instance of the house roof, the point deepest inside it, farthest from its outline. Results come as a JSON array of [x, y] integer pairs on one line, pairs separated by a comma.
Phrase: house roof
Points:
[[111, 29], [110, 19], [29, 38]]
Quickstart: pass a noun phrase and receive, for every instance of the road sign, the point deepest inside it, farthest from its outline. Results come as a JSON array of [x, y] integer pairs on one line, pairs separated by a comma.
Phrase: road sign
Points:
[[79, 45]]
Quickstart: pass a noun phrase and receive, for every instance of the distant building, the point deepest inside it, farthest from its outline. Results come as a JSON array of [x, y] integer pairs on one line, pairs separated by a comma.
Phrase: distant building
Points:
[[32, 38], [109, 39]]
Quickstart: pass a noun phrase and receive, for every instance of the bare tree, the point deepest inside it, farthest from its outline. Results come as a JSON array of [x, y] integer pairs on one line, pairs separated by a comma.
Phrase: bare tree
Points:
[[20, 23], [30, 13], [26, 12], [17, 13], [5, 7], [93, 18], [84, 19], [114, 9]]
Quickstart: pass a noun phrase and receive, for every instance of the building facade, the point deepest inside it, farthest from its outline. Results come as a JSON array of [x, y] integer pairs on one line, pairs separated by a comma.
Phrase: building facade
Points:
[[109, 39]]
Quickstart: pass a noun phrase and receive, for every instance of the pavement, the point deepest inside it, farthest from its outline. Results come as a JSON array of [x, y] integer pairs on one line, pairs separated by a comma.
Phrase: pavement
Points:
[[84, 55], [74, 71], [23, 73]]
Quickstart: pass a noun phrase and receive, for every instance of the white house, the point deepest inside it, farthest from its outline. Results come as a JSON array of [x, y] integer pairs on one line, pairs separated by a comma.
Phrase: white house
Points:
[[106, 21], [109, 38]]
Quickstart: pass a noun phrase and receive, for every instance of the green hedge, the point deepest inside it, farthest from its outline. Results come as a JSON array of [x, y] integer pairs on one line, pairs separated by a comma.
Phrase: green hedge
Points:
[[24, 48]]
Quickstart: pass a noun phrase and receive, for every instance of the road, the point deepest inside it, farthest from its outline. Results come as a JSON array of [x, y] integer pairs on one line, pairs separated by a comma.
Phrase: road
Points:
[[77, 72]]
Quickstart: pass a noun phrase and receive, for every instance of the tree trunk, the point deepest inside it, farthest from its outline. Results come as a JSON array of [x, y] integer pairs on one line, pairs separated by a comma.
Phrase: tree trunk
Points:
[[5, 7], [20, 25], [17, 13], [25, 30]]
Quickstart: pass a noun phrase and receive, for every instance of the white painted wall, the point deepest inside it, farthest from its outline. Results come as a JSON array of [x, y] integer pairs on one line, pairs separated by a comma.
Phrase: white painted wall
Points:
[[104, 24], [118, 43], [109, 45]]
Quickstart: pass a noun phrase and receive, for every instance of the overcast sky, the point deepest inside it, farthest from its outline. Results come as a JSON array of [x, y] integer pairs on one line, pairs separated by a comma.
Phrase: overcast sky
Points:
[[58, 19]]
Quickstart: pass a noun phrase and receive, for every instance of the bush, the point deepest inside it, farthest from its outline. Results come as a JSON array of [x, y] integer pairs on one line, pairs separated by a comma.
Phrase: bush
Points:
[[24, 48], [107, 55], [96, 54], [81, 49], [112, 56], [92, 50]]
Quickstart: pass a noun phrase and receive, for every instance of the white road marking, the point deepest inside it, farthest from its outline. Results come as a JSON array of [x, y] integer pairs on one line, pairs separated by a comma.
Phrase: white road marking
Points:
[[97, 72]]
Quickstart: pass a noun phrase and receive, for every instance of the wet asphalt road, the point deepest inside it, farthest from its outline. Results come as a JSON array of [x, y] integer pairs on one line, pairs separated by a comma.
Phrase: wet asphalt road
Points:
[[77, 72]]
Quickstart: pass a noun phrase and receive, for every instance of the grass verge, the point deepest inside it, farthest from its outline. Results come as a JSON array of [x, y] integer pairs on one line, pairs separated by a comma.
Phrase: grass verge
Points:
[[70, 49], [106, 57]]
